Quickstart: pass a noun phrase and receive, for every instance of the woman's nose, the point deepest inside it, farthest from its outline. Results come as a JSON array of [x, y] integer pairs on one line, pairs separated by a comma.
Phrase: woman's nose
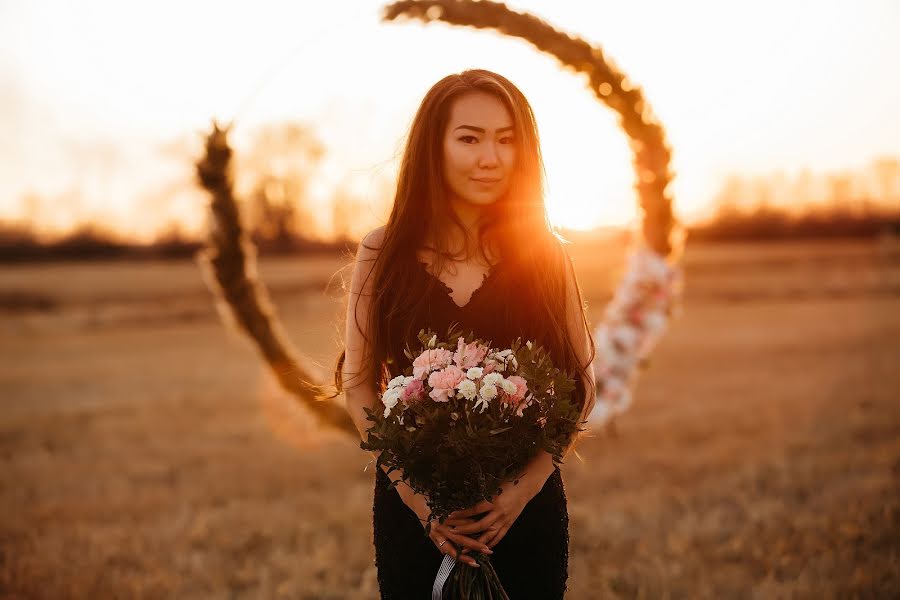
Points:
[[488, 157]]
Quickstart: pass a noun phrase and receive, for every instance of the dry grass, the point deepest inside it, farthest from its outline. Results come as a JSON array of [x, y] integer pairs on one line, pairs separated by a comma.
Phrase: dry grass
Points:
[[146, 453]]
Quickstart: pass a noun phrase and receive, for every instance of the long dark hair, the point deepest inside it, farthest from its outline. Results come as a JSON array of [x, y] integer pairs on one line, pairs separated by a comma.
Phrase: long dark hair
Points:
[[421, 201]]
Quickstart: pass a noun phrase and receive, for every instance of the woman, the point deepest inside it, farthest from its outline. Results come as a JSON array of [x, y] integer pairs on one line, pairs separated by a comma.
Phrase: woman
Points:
[[467, 242]]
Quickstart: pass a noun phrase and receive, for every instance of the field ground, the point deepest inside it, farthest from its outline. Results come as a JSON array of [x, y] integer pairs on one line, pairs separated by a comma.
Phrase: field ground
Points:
[[145, 452]]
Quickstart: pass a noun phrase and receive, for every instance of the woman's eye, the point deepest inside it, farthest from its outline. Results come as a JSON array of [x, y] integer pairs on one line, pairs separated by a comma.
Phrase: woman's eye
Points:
[[467, 139], [507, 140]]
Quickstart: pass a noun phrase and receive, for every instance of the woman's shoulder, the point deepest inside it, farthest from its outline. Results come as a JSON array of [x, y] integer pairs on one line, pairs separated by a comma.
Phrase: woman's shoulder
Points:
[[364, 262], [372, 241]]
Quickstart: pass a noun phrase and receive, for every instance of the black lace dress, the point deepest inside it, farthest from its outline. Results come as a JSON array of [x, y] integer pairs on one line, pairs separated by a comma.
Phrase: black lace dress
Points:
[[532, 559]]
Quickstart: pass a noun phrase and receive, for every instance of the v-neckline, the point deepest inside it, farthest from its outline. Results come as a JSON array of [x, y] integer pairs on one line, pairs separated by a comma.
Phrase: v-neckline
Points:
[[448, 291]]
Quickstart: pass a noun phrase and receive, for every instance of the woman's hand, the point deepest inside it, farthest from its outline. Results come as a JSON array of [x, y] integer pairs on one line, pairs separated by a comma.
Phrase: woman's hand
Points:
[[502, 511], [445, 536]]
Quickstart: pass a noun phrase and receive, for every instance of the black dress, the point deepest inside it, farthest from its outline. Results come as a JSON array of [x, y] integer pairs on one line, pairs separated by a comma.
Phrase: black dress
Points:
[[532, 558]]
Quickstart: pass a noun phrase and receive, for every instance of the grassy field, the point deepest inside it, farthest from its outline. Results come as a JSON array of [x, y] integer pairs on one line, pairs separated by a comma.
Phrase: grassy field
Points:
[[147, 453]]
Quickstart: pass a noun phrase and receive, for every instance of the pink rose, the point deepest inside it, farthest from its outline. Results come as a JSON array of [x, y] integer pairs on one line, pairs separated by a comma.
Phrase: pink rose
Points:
[[412, 392], [469, 355], [443, 382], [429, 360], [521, 390], [490, 365]]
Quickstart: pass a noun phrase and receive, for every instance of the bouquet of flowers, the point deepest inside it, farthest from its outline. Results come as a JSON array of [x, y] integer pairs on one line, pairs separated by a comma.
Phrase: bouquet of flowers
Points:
[[465, 418]]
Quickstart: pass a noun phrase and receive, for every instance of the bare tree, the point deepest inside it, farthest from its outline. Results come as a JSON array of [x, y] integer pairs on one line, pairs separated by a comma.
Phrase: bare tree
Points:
[[281, 162]]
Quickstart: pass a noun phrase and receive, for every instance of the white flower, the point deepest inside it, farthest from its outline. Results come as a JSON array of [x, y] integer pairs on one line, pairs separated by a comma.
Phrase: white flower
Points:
[[654, 322], [390, 399], [467, 388], [508, 386], [507, 359], [488, 392], [625, 336], [407, 380], [492, 379], [396, 381], [432, 341], [474, 372]]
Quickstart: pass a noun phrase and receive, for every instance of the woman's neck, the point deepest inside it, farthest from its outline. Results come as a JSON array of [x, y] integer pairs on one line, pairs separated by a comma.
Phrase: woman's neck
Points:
[[464, 241], [470, 214]]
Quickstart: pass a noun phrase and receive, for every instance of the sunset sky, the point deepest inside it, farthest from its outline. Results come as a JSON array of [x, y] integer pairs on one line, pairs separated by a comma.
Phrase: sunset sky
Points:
[[99, 97]]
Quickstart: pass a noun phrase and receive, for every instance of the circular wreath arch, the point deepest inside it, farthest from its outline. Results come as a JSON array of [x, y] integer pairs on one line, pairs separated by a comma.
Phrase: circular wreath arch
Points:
[[635, 317]]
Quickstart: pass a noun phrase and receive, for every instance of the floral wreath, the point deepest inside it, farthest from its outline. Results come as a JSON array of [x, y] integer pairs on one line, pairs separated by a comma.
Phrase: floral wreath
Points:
[[634, 321]]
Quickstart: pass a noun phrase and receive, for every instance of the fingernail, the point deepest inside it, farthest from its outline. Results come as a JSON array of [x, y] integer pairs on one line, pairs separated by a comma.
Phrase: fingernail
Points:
[[488, 550]]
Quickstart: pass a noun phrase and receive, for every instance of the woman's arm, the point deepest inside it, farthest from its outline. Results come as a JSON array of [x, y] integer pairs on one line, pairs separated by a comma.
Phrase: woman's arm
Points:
[[357, 375], [359, 380]]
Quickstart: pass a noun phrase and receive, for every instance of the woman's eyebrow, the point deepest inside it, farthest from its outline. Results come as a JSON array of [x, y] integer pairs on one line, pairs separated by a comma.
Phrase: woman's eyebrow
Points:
[[480, 130]]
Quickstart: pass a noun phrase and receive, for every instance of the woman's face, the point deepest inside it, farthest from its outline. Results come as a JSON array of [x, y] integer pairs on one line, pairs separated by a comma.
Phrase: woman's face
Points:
[[479, 149]]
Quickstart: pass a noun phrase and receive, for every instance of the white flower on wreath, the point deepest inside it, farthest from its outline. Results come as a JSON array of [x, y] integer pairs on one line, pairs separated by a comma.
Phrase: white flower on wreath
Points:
[[390, 398], [654, 322], [399, 380], [467, 389]]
